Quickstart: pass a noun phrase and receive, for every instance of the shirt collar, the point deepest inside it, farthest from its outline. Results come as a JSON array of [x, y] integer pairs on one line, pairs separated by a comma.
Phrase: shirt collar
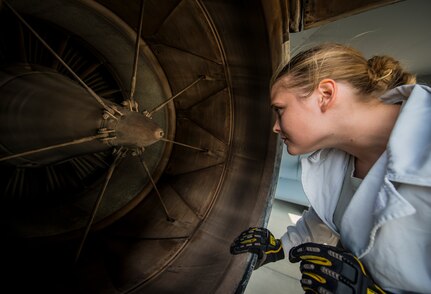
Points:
[[409, 145]]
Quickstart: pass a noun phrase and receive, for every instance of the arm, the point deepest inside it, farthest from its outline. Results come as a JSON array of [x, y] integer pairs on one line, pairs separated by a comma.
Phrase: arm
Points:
[[309, 228]]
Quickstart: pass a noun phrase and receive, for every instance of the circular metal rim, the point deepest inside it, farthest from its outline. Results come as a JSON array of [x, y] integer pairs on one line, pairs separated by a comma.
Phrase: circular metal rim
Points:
[[148, 66]]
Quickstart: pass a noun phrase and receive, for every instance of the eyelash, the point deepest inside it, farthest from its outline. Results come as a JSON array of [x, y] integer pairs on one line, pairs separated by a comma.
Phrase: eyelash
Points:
[[277, 110]]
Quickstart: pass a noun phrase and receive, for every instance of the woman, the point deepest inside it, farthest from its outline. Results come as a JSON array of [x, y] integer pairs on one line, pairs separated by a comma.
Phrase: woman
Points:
[[368, 178]]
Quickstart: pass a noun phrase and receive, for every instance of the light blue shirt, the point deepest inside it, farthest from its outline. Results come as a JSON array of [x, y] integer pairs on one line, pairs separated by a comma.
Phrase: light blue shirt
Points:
[[388, 221]]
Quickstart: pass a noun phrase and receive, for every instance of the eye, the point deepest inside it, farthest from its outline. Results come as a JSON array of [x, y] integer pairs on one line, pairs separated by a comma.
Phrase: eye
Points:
[[277, 110]]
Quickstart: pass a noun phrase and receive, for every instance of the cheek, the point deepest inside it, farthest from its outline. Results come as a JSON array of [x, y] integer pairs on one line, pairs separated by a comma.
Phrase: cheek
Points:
[[282, 123], [299, 128], [290, 122]]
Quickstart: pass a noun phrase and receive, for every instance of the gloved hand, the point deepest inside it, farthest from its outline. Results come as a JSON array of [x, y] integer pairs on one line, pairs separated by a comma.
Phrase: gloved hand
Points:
[[327, 269], [261, 242]]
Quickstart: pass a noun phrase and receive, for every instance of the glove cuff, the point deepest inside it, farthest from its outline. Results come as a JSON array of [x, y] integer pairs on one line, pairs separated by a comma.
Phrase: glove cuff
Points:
[[271, 255], [276, 254]]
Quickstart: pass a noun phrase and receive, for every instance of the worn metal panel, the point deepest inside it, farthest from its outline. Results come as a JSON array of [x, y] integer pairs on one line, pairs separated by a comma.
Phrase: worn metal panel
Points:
[[319, 12]]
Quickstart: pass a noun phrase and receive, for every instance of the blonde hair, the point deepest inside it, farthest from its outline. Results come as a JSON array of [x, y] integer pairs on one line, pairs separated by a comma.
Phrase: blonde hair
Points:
[[343, 63]]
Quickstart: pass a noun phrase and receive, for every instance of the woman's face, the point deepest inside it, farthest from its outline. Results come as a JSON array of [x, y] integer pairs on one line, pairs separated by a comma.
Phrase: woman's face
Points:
[[298, 119]]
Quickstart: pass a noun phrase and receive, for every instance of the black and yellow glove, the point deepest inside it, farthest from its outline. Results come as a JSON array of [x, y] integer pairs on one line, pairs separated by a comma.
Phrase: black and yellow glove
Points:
[[327, 269], [261, 242]]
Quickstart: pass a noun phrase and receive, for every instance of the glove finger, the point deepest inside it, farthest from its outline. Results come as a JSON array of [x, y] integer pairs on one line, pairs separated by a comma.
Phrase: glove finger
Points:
[[295, 253], [322, 271], [308, 267], [236, 248], [247, 238], [313, 251], [243, 247], [255, 237], [243, 233], [248, 247], [248, 234], [313, 282], [328, 279]]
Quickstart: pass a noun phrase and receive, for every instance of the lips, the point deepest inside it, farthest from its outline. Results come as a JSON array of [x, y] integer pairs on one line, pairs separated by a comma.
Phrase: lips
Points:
[[283, 137]]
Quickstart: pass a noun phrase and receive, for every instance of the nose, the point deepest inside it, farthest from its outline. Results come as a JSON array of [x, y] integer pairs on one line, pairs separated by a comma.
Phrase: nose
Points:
[[276, 127]]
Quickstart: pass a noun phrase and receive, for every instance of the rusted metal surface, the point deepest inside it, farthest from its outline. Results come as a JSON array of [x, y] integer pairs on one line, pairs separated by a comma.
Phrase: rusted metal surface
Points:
[[212, 191], [277, 22], [318, 12]]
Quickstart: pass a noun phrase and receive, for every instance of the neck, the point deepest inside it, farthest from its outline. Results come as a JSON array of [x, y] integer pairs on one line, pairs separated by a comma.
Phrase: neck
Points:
[[366, 132]]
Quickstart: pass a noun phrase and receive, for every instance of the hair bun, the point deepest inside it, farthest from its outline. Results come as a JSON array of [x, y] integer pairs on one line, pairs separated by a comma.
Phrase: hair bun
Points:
[[386, 73]]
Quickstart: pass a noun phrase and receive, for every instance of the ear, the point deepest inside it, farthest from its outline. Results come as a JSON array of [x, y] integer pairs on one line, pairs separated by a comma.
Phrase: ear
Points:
[[326, 89]]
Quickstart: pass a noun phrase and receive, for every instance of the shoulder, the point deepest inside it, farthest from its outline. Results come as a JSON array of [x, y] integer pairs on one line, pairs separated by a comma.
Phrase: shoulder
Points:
[[409, 159]]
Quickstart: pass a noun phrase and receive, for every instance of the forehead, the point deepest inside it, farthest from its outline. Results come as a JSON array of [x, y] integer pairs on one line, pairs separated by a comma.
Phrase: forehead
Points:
[[278, 90]]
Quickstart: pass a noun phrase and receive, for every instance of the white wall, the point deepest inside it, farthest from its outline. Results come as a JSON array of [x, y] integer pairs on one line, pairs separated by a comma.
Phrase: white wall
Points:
[[289, 187]]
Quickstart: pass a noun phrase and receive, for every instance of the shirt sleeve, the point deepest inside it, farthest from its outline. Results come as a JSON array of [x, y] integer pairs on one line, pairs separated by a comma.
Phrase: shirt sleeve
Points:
[[309, 228]]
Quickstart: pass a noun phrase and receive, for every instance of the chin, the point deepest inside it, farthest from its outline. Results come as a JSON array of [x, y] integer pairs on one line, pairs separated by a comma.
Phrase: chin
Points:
[[292, 150], [293, 153]]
